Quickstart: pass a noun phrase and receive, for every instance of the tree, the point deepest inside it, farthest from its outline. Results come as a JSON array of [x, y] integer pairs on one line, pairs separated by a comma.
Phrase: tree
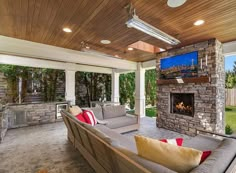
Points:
[[43, 80], [92, 87], [127, 89], [13, 74], [230, 79], [150, 83], [234, 67]]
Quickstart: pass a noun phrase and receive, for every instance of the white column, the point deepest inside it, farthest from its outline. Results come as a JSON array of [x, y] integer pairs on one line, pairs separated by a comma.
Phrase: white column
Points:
[[115, 96], [140, 91], [70, 86]]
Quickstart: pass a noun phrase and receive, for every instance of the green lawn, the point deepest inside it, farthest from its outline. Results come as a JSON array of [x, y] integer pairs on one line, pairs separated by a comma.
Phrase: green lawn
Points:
[[230, 117], [150, 112]]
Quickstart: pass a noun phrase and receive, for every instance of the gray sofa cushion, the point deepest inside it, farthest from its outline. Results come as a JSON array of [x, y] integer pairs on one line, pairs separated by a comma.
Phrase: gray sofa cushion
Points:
[[220, 158], [203, 143], [124, 141], [113, 111], [102, 135], [117, 122], [151, 166], [97, 112]]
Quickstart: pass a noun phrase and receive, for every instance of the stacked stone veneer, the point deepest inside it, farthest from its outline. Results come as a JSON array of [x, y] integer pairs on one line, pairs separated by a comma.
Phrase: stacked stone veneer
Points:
[[209, 98], [34, 114], [3, 124]]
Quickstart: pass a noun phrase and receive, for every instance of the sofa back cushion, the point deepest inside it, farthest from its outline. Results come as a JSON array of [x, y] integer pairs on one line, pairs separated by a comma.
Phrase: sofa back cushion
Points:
[[149, 165], [113, 111], [219, 159], [97, 112], [101, 135]]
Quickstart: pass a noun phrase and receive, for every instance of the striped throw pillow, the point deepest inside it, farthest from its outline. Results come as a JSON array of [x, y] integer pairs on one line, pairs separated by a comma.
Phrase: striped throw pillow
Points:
[[89, 117], [177, 141], [80, 117]]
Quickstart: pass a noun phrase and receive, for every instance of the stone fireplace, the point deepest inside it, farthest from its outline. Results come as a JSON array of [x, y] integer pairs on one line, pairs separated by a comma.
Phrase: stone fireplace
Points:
[[182, 104], [187, 104]]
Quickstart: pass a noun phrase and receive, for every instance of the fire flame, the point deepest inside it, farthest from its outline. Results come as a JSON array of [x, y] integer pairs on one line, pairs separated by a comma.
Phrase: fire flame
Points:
[[181, 106]]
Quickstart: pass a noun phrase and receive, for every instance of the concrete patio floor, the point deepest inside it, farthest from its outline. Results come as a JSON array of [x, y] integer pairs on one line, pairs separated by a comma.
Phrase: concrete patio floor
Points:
[[30, 149]]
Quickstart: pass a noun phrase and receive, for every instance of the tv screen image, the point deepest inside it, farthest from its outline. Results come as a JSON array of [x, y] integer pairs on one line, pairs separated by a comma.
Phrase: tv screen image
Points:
[[180, 66]]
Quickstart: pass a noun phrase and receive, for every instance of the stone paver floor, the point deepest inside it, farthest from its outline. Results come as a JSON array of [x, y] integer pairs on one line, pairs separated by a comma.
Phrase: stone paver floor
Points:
[[29, 149]]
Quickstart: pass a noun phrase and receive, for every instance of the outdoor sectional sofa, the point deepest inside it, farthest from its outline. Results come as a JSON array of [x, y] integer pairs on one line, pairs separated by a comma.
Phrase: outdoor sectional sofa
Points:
[[109, 151], [116, 118]]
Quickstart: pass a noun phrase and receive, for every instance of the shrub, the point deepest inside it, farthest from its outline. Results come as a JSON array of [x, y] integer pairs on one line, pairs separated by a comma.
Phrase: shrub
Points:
[[228, 130], [228, 109]]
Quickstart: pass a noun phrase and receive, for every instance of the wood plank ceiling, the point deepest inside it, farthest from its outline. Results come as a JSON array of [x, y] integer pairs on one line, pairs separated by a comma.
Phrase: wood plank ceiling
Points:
[[93, 20]]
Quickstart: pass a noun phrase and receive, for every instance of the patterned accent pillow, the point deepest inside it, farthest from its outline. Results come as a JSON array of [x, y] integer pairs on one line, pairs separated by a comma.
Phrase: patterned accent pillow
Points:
[[177, 141], [90, 117]]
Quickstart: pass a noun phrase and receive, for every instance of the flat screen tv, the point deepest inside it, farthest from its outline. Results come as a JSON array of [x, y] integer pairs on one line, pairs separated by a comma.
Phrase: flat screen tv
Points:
[[180, 66]]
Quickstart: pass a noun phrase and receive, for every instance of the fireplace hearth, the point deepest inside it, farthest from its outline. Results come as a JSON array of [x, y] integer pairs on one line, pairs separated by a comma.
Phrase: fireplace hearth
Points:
[[182, 103]]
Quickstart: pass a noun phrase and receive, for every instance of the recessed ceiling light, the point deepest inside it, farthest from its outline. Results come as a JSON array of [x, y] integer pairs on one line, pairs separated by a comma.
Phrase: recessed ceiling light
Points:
[[130, 48], [199, 22], [175, 3], [105, 41], [67, 30]]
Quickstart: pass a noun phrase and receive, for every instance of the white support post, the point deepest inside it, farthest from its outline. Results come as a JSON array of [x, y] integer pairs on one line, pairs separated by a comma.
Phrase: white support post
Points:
[[115, 96], [70, 86], [140, 91]]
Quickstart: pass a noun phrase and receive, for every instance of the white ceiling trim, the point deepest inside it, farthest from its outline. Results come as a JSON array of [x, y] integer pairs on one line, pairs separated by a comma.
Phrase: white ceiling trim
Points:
[[229, 48], [12, 46], [32, 62], [148, 65]]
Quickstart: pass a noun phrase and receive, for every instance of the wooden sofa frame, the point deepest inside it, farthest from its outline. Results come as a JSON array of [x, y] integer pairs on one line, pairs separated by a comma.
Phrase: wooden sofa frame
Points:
[[104, 158], [232, 166]]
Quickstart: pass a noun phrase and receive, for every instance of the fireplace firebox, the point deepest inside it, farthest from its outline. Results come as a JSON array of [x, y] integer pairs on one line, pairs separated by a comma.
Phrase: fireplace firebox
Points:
[[182, 103]]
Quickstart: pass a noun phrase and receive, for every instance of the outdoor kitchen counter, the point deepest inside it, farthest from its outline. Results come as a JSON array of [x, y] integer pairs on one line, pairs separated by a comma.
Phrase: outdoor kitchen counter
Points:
[[27, 114], [32, 103]]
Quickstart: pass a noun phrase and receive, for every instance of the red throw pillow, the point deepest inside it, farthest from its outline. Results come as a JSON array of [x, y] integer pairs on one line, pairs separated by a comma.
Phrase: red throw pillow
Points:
[[205, 154], [177, 141], [80, 117], [89, 117]]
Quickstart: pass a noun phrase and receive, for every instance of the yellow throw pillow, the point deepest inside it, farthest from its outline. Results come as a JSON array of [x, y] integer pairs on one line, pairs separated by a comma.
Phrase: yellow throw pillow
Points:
[[176, 158], [75, 110]]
